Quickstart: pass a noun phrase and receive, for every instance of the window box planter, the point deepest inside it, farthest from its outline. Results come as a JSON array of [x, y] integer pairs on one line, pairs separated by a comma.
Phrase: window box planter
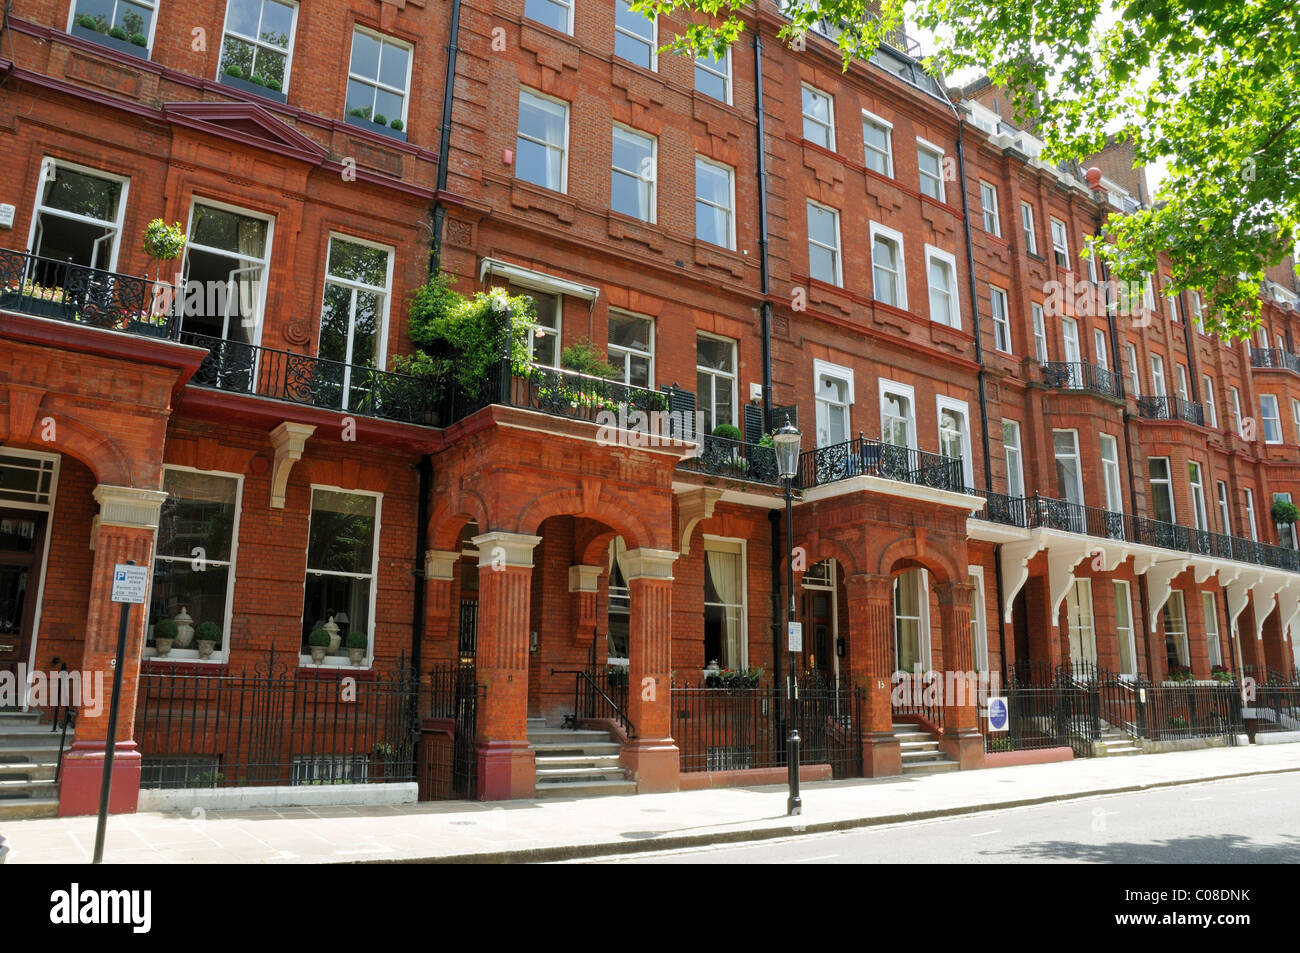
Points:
[[361, 123], [112, 42], [14, 300], [264, 91]]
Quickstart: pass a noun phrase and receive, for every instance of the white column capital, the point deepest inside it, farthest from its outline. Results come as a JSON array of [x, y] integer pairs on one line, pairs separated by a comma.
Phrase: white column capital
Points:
[[440, 564], [128, 506], [502, 550], [649, 564], [584, 578]]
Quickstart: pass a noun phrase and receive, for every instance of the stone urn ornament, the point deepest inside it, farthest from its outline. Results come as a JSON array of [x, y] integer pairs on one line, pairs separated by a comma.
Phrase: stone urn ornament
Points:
[[184, 626], [331, 628]]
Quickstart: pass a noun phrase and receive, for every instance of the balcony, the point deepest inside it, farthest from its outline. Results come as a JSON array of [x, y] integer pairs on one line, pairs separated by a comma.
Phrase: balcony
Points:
[[863, 456], [1065, 375], [1040, 512], [1274, 358], [239, 368], [719, 456], [91, 297], [1171, 408]]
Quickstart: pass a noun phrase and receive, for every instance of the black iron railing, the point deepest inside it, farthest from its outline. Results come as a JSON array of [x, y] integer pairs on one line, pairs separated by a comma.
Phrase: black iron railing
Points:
[[1041, 512], [601, 692], [1276, 706], [92, 297], [919, 694], [65, 715], [565, 393], [863, 456], [275, 724], [1171, 408], [1274, 357], [243, 368], [1073, 375], [719, 456]]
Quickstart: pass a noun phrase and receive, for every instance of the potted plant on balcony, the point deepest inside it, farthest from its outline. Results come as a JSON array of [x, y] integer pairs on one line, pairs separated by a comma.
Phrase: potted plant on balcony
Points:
[[207, 635], [1181, 673], [724, 456], [1222, 675], [318, 642], [164, 634], [1284, 513], [357, 643]]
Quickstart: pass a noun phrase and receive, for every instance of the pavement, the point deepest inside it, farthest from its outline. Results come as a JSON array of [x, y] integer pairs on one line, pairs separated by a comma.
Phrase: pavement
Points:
[[562, 829]]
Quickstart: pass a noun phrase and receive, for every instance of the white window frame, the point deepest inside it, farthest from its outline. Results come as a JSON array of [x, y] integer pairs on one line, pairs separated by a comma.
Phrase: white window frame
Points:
[[287, 51], [734, 377], [1181, 647], [153, 20], [1134, 370], [1111, 474], [1001, 326], [724, 76], [1295, 417], [1210, 611], [567, 5], [961, 408], [1167, 482], [899, 390], [925, 656], [640, 175], [386, 297], [375, 82], [730, 544], [1126, 633], [978, 621], [730, 210], [1013, 454], [1265, 418], [1196, 485], [1077, 597], [1028, 228], [827, 369], [51, 163], [1250, 515], [556, 330], [563, 149], [1075, 456], [1207, 396], [304, 659], [1184, 392], [871, 119], [953, 318], [828, 127], [1040, 332], [1236, 409], [1225, 512], [1060, 242], [1158, 376], [923, 145], [1099, 345], [989, 208], [264, 262], [1197, 315], [219, 656], [837, 257], [653, 41], [1287, 531], [876, 231], [625, 354]]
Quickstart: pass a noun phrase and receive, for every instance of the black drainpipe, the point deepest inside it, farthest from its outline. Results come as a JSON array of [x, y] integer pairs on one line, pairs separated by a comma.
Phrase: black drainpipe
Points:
[[425, 469], [765, 286], [444, 141], [979, 359]]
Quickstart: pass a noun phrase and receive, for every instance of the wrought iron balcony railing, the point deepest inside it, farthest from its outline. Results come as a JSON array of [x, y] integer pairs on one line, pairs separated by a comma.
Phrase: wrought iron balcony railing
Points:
[[241, 368], [1040, 512], [1068, 375], [863, 456], [720, 456], [1274, 357], [1171, 408], [75, 293], [565, 393]]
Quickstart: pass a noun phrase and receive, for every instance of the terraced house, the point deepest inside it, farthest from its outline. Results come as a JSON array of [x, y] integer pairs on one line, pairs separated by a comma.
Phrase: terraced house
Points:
[[518, 597]]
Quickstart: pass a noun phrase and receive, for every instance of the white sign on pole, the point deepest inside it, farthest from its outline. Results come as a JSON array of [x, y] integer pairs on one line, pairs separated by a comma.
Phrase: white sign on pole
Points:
[[795, 630], [130, 583]]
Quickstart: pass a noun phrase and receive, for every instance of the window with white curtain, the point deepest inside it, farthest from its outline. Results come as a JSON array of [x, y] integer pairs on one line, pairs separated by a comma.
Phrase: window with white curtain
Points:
[[1124, 628], [1175, 613], [632, 186], [929, 162], [1040, 333], [1015, 464], [941, 272], [724, 603], [978, 633], [1210, 609], [877, 138], [824, 244], [818, 118], [911, 621], [542, 144], [1078, 613], [989, 205], [1211, 411], [834, 396], [887, 281]]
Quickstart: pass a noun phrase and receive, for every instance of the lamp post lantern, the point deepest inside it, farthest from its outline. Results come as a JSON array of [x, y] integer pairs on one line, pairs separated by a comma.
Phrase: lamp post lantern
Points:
[[786, 442]]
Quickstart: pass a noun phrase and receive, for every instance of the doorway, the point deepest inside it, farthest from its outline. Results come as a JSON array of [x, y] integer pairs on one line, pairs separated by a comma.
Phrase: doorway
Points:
[[821, 645], [22, 543]]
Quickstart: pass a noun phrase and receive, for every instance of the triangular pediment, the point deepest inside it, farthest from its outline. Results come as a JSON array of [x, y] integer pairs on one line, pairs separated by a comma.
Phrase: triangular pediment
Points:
[[247, 124]]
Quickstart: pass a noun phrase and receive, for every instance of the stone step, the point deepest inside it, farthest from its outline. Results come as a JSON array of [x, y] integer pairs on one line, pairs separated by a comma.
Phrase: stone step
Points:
[[1114, 750], [548, 736], [24, 808], [930, 767], [25, 729], [569, 775], [15, 789], [577, 750], [32, 749], [18, 718], [933, 754], [576, 760], [29, 770], [582, 789], [927, 745]]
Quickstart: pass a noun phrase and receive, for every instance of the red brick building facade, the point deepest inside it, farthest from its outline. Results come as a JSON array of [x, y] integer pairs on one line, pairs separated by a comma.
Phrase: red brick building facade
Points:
[[863, 253]]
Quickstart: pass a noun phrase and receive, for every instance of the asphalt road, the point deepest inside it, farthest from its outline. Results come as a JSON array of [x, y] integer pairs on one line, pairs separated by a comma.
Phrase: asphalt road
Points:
[[1245, 820]]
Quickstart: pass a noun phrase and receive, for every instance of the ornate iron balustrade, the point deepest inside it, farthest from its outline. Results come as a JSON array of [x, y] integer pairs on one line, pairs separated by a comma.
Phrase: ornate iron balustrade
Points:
[[1078, 376], [1001, 508], [1274, 357], [863, 456], [720, 456], [1171, 408], [75, 293], [243, 368], [564, 393]]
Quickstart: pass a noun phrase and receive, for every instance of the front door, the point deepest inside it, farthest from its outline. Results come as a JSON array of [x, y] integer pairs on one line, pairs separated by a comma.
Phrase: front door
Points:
[[22, 540]]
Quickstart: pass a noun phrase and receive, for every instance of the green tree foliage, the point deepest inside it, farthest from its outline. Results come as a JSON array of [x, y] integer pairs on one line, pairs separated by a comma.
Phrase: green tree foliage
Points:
[[1213, 86]]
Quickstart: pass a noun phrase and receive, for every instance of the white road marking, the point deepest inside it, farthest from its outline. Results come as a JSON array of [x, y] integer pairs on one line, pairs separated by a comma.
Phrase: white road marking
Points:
[[1200, 799], [986, 833], [809, 860]]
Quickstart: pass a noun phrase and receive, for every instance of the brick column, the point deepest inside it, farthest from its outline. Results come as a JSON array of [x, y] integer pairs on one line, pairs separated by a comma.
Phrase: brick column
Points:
[[440, 615], [505, 762], [871, 664], [961, 740], [125, 532], [651, 756]]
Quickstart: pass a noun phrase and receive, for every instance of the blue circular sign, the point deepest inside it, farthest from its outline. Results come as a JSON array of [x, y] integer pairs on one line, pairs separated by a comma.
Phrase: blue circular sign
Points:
[[997, 714]]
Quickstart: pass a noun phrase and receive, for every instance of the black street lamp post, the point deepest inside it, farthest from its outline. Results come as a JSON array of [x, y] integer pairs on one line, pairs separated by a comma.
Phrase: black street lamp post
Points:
[[786, 442]]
